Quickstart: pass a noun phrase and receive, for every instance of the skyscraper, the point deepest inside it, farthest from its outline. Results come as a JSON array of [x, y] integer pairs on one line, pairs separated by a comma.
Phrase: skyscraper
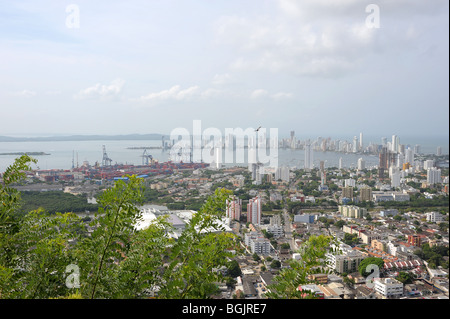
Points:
[[383, 163], [409, 156], [433, 176], [308, 156], [361, 145], [355, 144], [218, 157], [340, 163], [395, 143], [395, 177], [254, 210], [400, 160], [417, 149]]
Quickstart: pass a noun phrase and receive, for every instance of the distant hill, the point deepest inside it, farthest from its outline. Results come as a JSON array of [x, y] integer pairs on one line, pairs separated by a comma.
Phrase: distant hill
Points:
[[128, 137]]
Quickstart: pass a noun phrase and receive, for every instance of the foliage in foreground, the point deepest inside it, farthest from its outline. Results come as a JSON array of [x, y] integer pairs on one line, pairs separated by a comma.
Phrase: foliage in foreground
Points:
[[287, 284], [59, 256]]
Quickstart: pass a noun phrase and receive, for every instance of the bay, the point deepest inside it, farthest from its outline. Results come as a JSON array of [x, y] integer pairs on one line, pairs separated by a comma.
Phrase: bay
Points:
[[64, 153]]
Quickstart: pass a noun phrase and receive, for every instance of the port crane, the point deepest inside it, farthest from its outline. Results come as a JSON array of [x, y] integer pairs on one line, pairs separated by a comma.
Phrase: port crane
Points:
[[146, 158], [106, 161]]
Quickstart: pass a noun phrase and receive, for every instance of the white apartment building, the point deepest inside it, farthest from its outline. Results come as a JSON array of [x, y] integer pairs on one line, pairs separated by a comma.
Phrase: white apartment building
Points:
[[254, 211], [395, 179], [352, 211], [388, 287], [433, 176], [275, 230], [435, 217], [350, 182], [261, 246], [251, 235], [361, 164], [428, 164], [257, 243], [282, 173]]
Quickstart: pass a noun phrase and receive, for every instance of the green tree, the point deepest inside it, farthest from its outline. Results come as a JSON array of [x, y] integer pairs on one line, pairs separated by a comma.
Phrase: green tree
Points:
[[351, 239], [115, 260], [275, 264], [312, 260], [405, 277], [9, 196], [198, 253], [365, 263], [233, 269], [340, 223]]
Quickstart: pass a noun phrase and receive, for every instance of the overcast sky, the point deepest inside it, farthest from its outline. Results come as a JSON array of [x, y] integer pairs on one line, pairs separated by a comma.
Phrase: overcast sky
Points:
[[319, 67]]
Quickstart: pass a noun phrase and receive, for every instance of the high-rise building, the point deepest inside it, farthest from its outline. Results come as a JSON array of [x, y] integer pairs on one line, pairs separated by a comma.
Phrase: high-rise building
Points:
[[395, 143], [254, 211], [383, 163], [350, 182], [409, 156], [365, 194], [433, 176], [308, 156], [395, 177], [234, 207], [428, 164], [340, 163], [417, 149], [361, 164], [400, 160], [218, 157], [361, 145], [439, 151], [347, 192], [355, 144], [282, 173]]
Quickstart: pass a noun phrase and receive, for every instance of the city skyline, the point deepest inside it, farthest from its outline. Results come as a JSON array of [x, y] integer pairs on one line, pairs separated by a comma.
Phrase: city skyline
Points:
[[150, 67]]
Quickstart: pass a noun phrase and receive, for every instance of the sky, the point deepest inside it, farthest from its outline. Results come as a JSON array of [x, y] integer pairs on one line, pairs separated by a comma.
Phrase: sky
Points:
[[318, 67]]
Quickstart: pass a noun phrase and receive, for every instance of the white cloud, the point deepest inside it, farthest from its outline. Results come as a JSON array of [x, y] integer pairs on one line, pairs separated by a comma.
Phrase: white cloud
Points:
[[257, 94], [282, 96], [324, 38], [174, 93], [221, 79], [260, 93], [25, 93], [101, 91]]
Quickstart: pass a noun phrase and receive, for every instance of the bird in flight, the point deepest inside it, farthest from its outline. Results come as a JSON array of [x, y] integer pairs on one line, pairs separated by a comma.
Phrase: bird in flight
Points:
[[257, 130]]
